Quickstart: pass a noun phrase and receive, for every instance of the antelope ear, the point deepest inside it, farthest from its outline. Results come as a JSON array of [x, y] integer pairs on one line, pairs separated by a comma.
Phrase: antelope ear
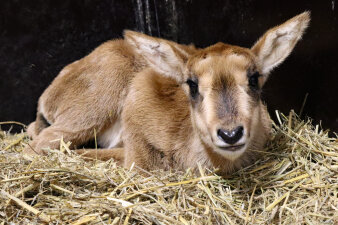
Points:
[[166, 57], [277, 43]]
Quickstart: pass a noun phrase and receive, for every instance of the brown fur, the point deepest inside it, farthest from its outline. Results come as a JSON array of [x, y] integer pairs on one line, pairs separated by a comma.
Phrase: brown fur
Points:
[[133, 94]]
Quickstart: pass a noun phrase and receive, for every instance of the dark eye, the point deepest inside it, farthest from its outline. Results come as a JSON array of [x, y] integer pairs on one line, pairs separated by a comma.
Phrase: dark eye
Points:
[[193, 85], [253, 80]]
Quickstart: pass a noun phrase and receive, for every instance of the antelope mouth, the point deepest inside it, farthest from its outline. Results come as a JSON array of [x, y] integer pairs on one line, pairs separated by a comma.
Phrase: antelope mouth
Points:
[[233, 147]]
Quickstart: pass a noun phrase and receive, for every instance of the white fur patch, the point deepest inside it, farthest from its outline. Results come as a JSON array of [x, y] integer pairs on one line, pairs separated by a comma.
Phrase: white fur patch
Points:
[[43, 111], [42, 108], [111, 137], [243, 103]]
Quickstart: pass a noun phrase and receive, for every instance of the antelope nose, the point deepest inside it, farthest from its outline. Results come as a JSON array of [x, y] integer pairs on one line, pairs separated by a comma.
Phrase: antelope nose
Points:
[[230, 137]]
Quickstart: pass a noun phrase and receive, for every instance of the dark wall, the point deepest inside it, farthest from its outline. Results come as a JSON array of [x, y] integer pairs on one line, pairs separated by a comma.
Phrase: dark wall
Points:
[[39, 37]]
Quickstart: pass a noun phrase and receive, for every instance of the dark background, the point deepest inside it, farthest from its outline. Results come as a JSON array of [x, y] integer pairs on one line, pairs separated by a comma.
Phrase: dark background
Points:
[[39, 37]]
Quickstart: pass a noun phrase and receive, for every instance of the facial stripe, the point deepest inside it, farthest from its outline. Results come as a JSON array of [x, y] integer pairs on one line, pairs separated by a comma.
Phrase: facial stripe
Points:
[[227, 106], [225, 95]]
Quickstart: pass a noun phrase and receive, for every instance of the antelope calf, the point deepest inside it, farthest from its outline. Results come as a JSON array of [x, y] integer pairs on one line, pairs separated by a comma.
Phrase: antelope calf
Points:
[[164, 105]]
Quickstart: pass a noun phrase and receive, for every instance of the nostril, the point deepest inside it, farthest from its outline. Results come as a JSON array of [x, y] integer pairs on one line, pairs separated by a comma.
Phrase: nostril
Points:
[[231, 137], [239, 131], [222, 134]]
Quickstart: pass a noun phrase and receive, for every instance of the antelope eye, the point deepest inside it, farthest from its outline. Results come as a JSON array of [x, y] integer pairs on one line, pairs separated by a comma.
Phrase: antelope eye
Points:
[[253, 80], [193, 85]]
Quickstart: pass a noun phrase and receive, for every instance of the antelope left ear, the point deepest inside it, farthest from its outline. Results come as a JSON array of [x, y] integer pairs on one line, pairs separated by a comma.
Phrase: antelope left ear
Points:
[[277, 43], [166, 57]]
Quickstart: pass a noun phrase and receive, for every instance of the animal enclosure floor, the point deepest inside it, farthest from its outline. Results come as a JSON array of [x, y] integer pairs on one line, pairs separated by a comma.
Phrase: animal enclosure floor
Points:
[[294, 182]]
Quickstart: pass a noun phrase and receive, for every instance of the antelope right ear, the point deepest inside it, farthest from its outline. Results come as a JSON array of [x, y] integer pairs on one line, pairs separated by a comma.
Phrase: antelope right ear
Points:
[[277, 43], [165, 57]]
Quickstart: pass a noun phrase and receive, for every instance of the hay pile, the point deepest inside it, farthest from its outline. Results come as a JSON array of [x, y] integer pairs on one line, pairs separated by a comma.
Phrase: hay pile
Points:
[[296, 182]]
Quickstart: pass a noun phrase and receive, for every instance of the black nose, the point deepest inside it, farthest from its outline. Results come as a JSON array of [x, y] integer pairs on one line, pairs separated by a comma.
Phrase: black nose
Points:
[[231, 137]]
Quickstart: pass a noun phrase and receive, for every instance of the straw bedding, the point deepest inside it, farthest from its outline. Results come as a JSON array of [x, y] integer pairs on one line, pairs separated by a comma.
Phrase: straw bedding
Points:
[[295, 182]]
